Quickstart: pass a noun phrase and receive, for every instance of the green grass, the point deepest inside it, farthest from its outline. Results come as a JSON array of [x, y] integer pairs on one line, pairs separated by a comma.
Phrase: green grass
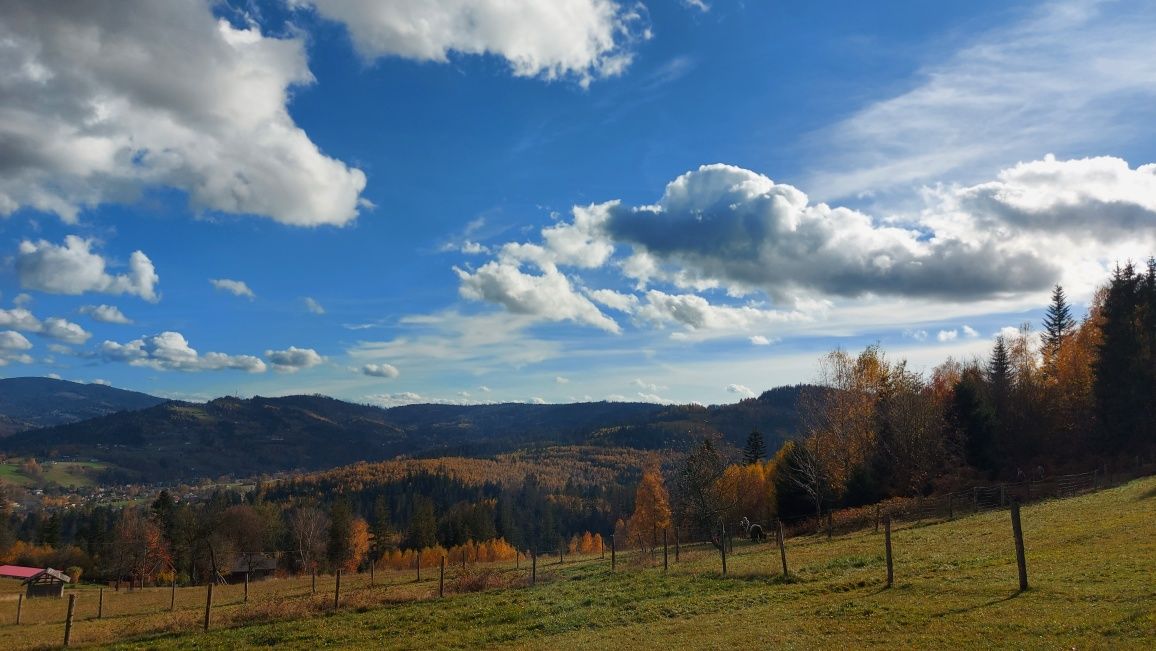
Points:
[[1092, 567], [76, 474]]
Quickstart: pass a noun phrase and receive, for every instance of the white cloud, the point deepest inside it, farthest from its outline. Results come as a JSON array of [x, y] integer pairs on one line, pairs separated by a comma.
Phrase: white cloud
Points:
[[650, 397], [648, 386], [584, 39], [548, 296], [20, 319], [53, 327], [970, 332], [947, 335], [697, 4], [558, 379], [171, 351], [22, 299], [73, 268], [313, 306], [293, 359], [104, 101], [380, 370], [741, 390], [60, 349], [917, 335], [396, 399], [724, 225], [105, 314], [14, 347], [101, 382], [1070, 76], [535, 400], [66, 331], [234, 287], [614, 300], [54, 376], [702, 320], [484, 389], [759, 340]]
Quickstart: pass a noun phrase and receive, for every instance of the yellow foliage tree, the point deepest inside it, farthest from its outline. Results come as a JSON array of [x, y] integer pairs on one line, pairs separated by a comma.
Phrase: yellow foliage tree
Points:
[[651, 511], [358, 544]]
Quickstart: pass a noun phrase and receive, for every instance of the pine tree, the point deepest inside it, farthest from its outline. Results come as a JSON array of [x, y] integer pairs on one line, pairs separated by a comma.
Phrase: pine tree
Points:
[[382, 529], [756, 448], [1123, 382], [1058, 323], [340, 525]]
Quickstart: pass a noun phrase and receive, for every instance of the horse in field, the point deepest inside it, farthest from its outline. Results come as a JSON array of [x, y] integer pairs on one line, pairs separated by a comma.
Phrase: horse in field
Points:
[[755, 531]]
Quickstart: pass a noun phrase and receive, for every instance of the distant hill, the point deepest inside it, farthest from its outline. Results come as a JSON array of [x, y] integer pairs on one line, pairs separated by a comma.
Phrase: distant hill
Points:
[[231, 436], [33, 402]]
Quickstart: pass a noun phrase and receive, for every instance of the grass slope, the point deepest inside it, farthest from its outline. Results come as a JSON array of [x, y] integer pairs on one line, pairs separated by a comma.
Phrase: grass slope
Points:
[[1092, 567]]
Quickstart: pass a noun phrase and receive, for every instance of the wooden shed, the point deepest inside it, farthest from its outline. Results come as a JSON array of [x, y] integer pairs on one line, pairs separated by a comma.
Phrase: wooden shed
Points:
[[48, 583]]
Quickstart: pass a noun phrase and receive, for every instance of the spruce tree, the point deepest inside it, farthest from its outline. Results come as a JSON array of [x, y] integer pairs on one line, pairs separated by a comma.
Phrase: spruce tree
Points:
[[1058, 323], [1123, 386], [756, 448]]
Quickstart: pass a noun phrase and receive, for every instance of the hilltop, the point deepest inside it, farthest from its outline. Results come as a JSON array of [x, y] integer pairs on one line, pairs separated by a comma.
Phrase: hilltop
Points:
[[33, 402], [245, 437]]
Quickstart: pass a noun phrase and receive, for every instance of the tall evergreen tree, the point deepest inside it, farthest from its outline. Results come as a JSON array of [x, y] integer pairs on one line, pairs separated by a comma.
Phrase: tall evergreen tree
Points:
[[1058, 323], [1123, 383], [340, 539], [756, 448]]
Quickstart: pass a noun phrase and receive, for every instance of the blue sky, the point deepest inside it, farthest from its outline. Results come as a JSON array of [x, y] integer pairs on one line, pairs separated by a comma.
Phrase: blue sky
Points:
[[473, 201]]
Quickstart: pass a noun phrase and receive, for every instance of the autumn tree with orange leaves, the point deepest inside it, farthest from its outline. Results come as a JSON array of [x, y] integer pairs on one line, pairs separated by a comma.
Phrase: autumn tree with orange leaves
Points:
[[651, 511]]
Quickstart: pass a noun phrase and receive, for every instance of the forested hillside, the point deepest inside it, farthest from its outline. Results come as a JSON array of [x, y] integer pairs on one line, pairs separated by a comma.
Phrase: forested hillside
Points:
[[246, 437], [33, 402]]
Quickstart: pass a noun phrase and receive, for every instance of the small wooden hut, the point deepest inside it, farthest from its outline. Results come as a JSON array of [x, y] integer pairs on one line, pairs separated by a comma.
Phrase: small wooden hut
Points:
[[47, 583]]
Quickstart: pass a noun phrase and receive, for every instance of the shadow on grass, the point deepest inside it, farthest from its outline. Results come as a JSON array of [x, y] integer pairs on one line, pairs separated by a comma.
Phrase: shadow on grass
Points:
[[986, 604], [1149, 494]]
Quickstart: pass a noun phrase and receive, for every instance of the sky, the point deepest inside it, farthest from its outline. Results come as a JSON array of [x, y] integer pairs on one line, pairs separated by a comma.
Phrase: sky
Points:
[[477, 201]]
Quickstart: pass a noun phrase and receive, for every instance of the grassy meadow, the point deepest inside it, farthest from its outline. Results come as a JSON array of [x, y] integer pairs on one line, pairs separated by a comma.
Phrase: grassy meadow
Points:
[[1091, 564], [77, 474]]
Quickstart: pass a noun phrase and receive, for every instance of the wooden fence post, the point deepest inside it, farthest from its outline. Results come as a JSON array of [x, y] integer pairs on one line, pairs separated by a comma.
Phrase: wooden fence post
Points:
[[337, 591], [561, 547], [1018, 532], [19, 606], [442, 579], [665, 553], [371, 564], [417, 561], [173, 594], [246, 587], [877, 509], [100, 605], [208, 606], [783, 548], [517, 560], [723, 545], [887, 547], [533, 567], [613, 557], [314, 575], [676, 545], [68, 618]]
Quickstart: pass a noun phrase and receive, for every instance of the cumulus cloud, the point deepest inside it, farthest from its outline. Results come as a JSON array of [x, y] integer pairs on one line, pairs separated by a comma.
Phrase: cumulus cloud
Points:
[[947, 335], [14, 347], [108, 98], [22, 299], [105, 314], [547, 296], [313, 306], [970, 332], [171, 351], [583, 39], [696, 313], [293, 359], [20, 319], [52, 327], [234, 287], [733, 227], [380, 370], [648, 386], [741, 390], [63, 330], [759, 340], [73, 268], [917, 335]]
